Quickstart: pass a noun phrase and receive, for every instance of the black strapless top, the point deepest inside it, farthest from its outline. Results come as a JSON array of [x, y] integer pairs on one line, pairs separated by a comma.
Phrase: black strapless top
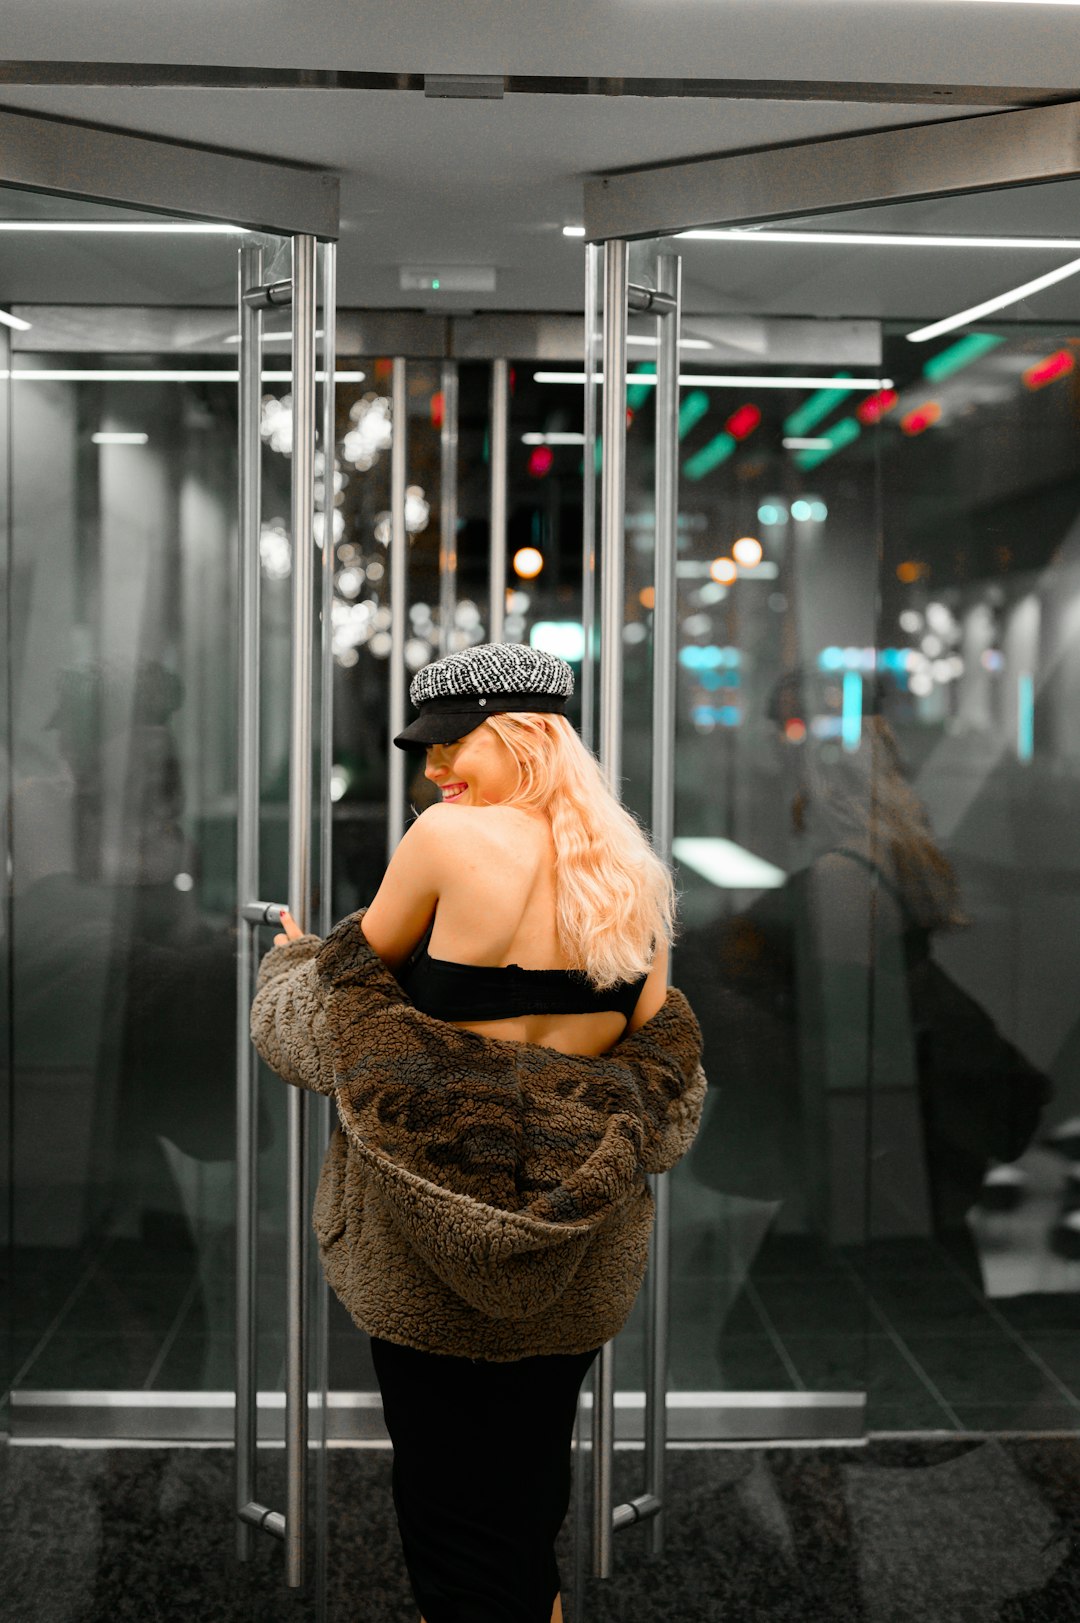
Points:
[[450, 991]]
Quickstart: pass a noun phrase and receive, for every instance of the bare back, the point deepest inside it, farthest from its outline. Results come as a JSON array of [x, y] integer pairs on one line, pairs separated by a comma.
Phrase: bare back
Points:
[[496, 906]]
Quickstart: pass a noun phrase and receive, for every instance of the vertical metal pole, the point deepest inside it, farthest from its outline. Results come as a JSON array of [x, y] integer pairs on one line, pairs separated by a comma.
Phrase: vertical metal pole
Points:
[[448, 506], [320, 1107], [399, 553], [500, 435], [326, 647], [247, 880], [588, 499], [658, 1302], [300, 797], [612, 543]]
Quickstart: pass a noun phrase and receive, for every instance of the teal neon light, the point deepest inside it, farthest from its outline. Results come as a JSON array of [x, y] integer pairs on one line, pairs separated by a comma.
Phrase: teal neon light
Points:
[[960, 354], [636, 393], [851, 714], [819, 405], [1025, 717], [709, 457], [692, 410], [839, 435]]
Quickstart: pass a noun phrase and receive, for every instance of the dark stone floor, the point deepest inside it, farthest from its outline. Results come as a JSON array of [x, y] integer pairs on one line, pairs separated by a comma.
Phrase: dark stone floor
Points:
[[959, 1530]]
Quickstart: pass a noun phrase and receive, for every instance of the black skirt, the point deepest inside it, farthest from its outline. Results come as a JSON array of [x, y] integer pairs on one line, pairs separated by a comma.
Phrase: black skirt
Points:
[[481, 1477]]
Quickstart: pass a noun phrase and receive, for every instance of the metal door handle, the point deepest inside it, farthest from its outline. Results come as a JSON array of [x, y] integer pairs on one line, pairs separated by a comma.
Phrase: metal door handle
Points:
[[289, 1525], [664, 302]]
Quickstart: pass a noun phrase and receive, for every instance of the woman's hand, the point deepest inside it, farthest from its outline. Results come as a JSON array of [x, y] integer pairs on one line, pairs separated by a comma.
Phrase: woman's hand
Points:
[[292, 930]]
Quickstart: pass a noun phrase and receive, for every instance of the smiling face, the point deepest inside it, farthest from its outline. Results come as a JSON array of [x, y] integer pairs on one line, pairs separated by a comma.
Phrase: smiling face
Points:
[[477, 770]]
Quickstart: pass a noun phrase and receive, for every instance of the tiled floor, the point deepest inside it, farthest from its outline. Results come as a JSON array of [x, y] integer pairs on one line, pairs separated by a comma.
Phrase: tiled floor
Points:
[[944, 1531]]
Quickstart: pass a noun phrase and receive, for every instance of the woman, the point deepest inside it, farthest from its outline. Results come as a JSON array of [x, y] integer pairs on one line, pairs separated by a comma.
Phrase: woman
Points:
[[507, 1063]]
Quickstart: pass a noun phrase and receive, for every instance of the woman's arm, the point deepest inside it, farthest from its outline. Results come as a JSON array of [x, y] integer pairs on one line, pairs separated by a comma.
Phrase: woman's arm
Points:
[[403, 905], [652, 995]]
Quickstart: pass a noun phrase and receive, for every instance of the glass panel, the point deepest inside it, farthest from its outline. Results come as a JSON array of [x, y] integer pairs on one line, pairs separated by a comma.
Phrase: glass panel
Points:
[[876, 782], [123, 836]]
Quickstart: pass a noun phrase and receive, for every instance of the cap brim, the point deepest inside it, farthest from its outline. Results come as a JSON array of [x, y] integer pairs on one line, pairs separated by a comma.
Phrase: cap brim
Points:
[[438, 728]]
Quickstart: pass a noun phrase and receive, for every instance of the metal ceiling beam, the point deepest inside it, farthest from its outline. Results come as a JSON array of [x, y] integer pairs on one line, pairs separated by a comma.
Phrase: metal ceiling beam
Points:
[[937, 159], [209, 77], [85, 161]]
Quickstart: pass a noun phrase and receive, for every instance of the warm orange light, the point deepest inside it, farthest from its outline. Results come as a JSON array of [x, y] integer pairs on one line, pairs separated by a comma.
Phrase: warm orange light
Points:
[[795, 731], [647, 597], [723, 570], [528, 562], [910, 572], [747, 551]]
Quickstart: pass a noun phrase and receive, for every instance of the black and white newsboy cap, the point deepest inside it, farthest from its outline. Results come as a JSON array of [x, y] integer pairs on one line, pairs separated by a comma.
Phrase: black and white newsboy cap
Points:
[[455, 694]]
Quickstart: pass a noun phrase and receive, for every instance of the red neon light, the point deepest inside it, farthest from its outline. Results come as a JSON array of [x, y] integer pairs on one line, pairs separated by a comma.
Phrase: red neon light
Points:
[[874, 407], [741, 424], [922, 418], [540, 461], [1045, 371], [438, 407]]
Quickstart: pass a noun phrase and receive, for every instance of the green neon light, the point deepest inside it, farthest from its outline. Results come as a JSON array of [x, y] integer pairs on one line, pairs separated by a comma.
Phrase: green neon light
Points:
[[638, 392], [839, 435], [692, 410], [709, 457], [819, 405], [960, 354]]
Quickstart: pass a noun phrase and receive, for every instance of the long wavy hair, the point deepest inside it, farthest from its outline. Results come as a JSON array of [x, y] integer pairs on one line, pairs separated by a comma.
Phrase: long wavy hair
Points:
[[614, 897]]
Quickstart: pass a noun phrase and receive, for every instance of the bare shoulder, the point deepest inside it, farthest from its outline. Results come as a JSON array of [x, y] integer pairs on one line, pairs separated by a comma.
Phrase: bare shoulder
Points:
[[654, 993], [456, 827]]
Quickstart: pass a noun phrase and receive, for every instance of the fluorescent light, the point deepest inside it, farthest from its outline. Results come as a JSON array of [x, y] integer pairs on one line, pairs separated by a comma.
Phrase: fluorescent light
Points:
[[573, 230], [734, 380], [119, 439], [798, 442], [684, 343], [727, 865], [553, 439], [988, 306], [880, 239], [162, 375], [15, 322], [173, 227], [268, 337]]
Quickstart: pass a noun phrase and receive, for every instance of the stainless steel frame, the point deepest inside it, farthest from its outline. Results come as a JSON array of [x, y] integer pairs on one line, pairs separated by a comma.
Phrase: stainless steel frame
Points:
[[698, 1418], [165, 177], [500, 432], [588, 499], [247, 880], [612, 581], [924, 160], [448, 505], [399, 582], [300, 804]]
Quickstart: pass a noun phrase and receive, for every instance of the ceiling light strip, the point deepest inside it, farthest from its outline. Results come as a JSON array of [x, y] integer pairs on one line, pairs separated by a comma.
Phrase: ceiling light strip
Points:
[[143, 228], [15, 322], [720, 380], [965, 317], [147, 375], [880, 239]]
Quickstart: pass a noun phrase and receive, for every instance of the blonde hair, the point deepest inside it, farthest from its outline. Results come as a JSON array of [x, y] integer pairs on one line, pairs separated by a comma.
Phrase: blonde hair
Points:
[[614, 897]]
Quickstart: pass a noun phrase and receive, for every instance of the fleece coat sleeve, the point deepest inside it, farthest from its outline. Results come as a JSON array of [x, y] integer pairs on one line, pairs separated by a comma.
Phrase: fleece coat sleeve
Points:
[[288, 1017]]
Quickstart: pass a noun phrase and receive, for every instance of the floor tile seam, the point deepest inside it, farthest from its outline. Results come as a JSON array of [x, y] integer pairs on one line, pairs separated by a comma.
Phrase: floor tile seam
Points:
[[774, 1335], [51, 1328], [172, 1333], [909, 1356], [1018, 1340]]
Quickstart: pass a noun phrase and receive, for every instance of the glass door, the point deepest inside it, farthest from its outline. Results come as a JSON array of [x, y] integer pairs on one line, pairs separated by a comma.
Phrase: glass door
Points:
[[140, 465], [876, 1226]]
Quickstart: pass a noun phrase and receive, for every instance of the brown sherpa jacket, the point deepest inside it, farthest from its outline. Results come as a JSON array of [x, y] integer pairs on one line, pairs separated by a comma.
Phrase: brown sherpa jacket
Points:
[[479, 1198]]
